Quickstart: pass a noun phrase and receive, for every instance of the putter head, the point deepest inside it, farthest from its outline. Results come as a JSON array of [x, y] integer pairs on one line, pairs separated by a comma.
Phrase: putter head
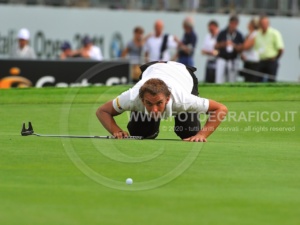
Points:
[[28, 131]]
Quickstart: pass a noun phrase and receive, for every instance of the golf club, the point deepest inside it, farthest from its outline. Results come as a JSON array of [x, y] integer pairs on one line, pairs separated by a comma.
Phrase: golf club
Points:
[[29, 131]]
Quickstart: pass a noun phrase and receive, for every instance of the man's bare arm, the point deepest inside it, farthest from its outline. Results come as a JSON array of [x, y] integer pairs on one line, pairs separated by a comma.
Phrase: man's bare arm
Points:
[[217, 113], [106, 114], [249, 43], [280, 52], [209, 53], [124, 52], [220, 45]]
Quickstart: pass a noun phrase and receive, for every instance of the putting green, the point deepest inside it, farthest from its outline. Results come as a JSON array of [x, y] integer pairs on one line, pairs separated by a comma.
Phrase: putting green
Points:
[[247, 172]]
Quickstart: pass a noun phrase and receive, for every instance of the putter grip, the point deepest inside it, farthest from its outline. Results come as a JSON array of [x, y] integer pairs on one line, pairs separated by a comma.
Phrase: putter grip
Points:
[[134, 137]]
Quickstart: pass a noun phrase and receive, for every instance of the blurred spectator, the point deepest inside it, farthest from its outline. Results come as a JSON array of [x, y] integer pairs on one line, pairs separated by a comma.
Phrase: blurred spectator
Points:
[[134, 51], [158, 46], [229, 44], [23, 50], [67, 52], [188, 43], [250, 55], [270, 46], [134, 48], [89, 50], [208, 49]]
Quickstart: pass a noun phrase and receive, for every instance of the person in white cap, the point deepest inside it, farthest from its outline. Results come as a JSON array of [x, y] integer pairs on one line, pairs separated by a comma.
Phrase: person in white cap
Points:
[[23, 50]]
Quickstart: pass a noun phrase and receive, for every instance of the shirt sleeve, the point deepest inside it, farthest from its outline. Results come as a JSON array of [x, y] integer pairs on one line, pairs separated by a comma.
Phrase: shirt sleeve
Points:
[[199, 104], [100, 54], [278, 41], [146, 46], [220, 37], [241, 39], [171, 42], [194, 40], [96, 53], [122, 102], [205, 45], [192, 103]]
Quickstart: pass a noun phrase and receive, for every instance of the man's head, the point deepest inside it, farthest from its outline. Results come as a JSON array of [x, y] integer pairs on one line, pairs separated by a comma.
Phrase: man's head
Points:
[[66, 48], [213, 27], [264, 23], [138, 33], [87, 41], [158, 27], [23, 37], [233, 23], [155, 95], [188, 24]]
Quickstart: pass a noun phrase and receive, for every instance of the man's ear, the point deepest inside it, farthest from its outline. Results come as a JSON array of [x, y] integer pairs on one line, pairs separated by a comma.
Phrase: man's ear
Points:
[[168, 99]]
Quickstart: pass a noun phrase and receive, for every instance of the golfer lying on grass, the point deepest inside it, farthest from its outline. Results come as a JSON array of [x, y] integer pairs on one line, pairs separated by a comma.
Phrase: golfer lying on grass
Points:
[[165, 89]]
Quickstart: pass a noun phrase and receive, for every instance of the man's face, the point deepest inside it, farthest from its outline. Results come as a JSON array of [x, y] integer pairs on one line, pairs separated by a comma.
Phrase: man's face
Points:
[[155, 104], [212, 29], [233, 25], [22, 43], [138, 35], [158, 28], [88, 45], [68, 52], [264, 23]]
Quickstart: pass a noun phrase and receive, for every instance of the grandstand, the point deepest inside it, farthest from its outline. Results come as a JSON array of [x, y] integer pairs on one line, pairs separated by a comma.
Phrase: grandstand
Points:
[[271, 7]]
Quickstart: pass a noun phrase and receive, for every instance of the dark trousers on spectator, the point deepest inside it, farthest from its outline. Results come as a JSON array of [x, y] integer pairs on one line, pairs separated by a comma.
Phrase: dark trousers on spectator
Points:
[[269, 67], [210, 71], [186, 60], [249, 77]]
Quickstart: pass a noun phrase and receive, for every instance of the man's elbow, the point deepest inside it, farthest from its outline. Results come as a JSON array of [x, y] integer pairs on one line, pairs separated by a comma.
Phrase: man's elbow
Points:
[[99, 111], [223, 110]]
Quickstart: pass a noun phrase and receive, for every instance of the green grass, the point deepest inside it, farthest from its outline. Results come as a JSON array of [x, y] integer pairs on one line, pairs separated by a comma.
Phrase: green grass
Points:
[[241, 176]]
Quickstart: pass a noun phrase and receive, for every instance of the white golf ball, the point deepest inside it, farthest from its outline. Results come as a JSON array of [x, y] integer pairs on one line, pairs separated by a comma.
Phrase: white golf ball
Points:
[[129, 181]]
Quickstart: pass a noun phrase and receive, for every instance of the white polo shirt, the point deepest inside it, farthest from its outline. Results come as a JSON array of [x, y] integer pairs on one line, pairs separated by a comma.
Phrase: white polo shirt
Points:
[[95, 53], [180, 83], [26, 53], [153, 46], [209, 44]]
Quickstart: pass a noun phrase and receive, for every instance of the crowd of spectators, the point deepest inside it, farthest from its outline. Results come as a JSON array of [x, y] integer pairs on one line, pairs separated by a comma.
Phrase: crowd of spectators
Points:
[[259, 50], [88, 50]]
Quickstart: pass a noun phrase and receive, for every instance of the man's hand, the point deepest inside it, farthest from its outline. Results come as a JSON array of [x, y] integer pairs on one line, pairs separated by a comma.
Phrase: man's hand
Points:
[[120, 134], [106, 114], [196, 138], [229, 43], [217, 113]]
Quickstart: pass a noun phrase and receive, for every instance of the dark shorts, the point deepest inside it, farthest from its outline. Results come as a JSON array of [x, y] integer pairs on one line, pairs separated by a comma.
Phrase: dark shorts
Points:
[[186, 124]]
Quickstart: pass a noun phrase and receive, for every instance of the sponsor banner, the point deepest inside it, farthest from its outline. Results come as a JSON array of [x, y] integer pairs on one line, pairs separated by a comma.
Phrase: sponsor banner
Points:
[[58, 73]]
